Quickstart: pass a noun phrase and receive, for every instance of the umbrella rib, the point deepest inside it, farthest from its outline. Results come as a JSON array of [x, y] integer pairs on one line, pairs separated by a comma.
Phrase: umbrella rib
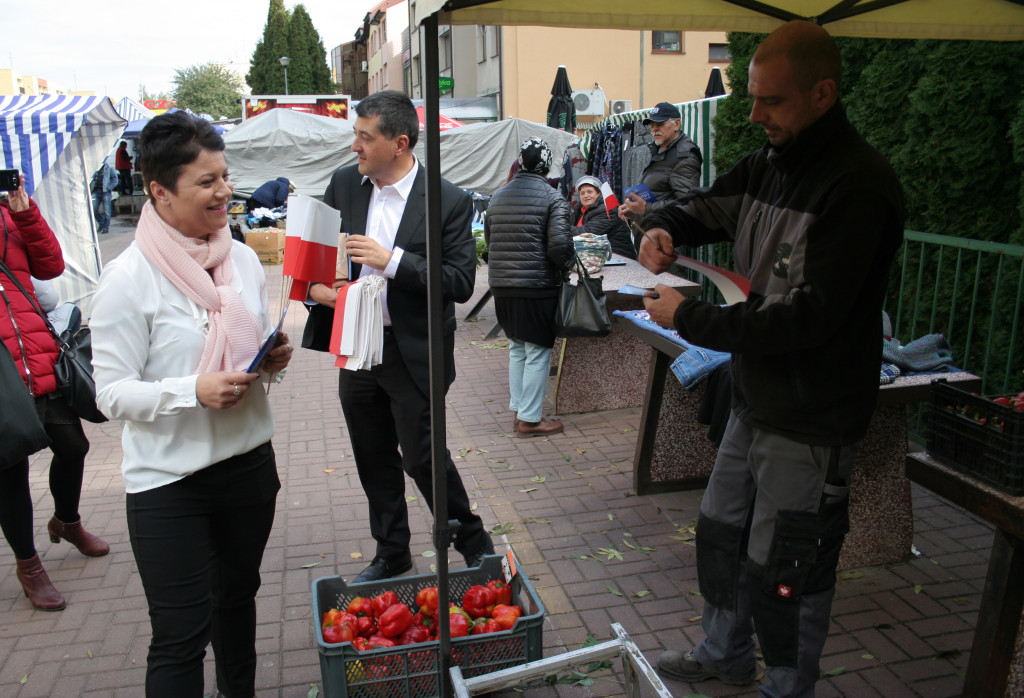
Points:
[[769, 10], [851, 8]]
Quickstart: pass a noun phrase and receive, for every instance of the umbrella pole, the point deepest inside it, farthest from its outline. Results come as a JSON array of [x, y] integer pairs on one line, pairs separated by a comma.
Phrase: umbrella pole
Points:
[[443, 531]]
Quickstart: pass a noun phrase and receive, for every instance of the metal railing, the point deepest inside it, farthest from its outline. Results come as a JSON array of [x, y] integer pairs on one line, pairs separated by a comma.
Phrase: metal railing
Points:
[[971, 291]]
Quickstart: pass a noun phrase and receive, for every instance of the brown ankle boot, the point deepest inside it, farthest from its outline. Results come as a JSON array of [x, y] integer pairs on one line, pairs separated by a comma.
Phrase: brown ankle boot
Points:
[[37, 585], [75, 533], [541, 428]]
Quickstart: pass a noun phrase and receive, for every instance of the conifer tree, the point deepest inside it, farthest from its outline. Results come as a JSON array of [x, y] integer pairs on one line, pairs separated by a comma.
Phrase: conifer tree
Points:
[[307, 47], [266, 76], [300, 70]]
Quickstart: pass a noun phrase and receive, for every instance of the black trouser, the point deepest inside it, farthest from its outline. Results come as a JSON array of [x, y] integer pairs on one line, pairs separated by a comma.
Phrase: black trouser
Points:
[[127, 186], [198, 544], [69, 446], [385, 410]]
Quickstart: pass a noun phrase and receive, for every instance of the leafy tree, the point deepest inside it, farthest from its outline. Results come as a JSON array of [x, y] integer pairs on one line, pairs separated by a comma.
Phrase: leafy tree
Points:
[[146, 95], [208, 89], [265, 74]]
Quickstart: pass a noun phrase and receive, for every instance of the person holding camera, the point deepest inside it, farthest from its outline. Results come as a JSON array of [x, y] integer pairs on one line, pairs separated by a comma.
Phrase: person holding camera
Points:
[[30, 248]]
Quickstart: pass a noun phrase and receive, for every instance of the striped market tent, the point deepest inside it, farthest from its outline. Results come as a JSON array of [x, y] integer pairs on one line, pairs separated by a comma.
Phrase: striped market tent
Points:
[[58, 141], [696, 123], [130, 110]]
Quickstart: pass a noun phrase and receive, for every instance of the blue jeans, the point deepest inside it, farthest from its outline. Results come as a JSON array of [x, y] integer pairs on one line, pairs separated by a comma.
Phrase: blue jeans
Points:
[[101, 209], [528, 368]]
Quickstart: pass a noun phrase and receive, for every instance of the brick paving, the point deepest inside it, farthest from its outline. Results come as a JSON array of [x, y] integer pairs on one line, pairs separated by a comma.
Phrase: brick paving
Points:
[[897, 630]]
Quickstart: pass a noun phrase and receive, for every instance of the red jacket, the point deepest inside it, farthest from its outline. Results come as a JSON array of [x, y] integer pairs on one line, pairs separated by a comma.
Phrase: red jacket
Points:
[[28, 247], [122, 159]]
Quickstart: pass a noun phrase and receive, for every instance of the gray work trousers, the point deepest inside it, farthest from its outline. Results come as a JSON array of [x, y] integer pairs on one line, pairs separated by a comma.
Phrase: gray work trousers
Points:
[[772, 522]]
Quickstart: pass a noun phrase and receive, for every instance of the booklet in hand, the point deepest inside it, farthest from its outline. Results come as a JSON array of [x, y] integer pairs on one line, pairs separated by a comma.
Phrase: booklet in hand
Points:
[[269, 344], [641, 191], [632, 290]]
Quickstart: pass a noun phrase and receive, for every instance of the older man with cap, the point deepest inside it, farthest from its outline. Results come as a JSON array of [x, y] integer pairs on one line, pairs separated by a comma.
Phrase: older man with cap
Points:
[[674, 168]]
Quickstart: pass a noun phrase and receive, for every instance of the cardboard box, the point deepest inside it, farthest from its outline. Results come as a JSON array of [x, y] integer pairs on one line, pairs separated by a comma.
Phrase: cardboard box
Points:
[[268, 244]]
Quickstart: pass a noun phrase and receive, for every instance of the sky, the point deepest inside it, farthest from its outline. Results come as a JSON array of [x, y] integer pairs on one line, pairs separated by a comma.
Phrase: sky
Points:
[[110, 48]]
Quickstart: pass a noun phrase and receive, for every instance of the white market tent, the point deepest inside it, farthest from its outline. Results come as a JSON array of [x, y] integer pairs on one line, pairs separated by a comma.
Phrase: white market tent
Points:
[[58, 142], [307, 149]]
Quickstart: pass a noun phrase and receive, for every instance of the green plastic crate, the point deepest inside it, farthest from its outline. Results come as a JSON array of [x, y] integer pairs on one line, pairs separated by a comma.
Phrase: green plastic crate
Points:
[[410, 671]]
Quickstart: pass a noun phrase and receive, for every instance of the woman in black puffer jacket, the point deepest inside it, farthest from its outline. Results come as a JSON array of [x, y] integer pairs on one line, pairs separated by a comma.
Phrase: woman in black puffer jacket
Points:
[[591, 216], [529, 246]]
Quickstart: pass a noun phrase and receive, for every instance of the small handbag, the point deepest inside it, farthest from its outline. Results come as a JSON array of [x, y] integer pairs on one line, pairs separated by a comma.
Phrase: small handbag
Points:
[[22, 432], [73, 369], [583, 307]]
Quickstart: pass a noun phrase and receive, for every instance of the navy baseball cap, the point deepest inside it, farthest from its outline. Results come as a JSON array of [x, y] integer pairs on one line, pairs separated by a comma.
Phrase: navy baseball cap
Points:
[[663, 111]]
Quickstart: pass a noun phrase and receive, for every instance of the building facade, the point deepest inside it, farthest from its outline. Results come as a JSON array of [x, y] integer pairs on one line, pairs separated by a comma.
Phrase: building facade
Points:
[[14, 83]]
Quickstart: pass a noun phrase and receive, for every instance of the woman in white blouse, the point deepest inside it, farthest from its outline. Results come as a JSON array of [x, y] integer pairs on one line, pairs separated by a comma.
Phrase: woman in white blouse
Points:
[[177, 320]]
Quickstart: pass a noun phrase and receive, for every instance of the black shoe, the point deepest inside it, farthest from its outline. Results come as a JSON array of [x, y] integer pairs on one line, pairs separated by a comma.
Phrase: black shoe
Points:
[[382, 568], [476, 559]]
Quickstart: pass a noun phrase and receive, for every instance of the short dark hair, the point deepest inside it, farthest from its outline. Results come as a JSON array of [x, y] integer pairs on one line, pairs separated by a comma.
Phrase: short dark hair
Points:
[[171, 141], [811, 51], [397, 114]]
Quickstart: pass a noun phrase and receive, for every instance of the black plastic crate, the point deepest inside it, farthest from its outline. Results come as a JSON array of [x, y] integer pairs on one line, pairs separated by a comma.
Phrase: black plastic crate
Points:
[[977, 436], [410, 671]]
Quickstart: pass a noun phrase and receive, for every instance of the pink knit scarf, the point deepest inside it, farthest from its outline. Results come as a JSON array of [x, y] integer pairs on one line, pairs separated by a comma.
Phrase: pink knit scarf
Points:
[[201, 269]]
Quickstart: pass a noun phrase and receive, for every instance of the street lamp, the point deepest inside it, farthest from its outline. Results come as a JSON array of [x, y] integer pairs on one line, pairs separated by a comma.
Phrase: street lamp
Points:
[[285, 60]]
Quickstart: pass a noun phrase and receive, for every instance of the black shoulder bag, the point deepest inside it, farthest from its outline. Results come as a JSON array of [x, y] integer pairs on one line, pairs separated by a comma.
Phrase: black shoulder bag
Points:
[[582, 308]]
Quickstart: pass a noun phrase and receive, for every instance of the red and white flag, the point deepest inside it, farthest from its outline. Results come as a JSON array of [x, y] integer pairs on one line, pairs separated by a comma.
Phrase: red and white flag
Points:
[[310, 244], [610, 202]]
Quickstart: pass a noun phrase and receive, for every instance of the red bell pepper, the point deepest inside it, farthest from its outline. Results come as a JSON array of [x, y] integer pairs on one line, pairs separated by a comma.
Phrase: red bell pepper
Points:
[[413, 634], [478, 601], [506, 616], [359, 643], [365, 626], [395, 620], [383, 602], [360, 606], [485, 625], [458, 624], [330, 617], [377, 642], [502, 591], [339, 633], [426, 599]]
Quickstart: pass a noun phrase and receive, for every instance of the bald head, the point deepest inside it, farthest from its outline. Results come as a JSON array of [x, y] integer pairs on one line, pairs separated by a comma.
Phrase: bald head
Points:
[[812, 54]]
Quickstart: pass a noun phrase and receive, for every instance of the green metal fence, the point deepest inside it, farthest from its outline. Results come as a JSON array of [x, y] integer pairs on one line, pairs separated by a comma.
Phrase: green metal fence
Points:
[[971, 291]]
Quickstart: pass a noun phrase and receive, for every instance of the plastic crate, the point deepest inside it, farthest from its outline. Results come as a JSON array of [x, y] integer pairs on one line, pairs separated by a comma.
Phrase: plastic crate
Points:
[[410, 671], [992, 452]]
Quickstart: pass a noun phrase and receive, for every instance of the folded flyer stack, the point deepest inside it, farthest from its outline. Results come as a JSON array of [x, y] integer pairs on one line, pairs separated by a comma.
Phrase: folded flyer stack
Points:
[[357, 336]]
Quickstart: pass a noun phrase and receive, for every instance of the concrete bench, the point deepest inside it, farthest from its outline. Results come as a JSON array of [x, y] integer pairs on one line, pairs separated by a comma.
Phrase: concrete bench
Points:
[[674, 453]]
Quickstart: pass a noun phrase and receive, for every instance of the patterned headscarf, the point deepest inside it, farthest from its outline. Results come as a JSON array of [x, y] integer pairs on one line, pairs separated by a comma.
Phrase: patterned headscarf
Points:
[[535, 156]]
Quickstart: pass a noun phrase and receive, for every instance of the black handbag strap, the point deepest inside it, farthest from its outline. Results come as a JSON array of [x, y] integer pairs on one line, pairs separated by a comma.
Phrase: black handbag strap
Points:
[[34, 303]]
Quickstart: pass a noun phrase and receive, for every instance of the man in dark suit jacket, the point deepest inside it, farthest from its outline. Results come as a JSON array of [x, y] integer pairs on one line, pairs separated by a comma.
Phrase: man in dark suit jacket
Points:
[[383, 210]]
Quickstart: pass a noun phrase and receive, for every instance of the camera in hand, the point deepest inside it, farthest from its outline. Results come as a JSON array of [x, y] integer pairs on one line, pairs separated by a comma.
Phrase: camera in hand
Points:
[[9, 180]]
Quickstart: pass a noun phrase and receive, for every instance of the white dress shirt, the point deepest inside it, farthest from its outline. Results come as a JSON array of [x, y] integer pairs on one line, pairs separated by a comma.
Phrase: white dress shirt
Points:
[[384, 213], [147, 340]]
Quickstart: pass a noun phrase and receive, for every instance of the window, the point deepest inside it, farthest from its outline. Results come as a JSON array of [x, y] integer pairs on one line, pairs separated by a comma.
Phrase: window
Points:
[[667, 42], [718, 53], [481, 43], [494, 41]]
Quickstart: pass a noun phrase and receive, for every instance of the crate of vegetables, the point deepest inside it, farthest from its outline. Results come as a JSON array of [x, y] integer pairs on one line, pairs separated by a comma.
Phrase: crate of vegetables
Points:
[[380, 638], [982, 436]]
